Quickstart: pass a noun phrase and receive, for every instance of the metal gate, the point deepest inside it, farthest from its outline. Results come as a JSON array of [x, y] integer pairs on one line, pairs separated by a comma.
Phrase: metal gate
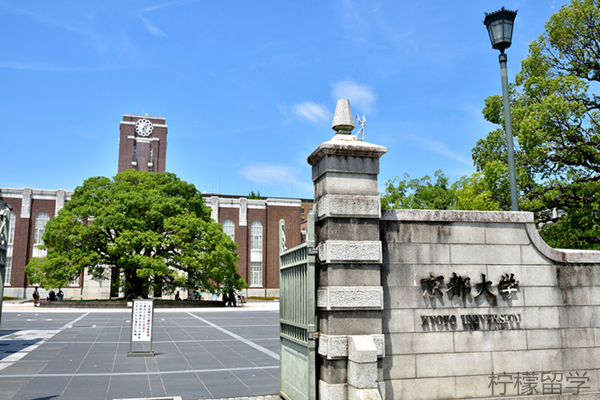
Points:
[[297, 320]]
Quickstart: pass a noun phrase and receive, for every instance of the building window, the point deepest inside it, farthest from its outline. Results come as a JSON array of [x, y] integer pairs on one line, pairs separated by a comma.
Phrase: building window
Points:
[[302, 211], [256, 235], [7, 271], [256, 274], [11, 228], [229, 229], [40, 222]]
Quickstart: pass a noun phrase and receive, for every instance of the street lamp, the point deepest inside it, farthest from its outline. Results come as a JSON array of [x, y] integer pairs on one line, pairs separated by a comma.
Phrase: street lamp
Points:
[[500, 28]]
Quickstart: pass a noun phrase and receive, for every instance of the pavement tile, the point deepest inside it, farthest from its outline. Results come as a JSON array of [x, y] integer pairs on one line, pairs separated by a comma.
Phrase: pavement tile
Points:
[[41, 355], [43, 387], [224, 383], [23, 368], [260, 381], [188, 386], [132, 386], [104, 347], [85, 387], [129, 364], [11, 386], [232, 362], [96, 366], [66, 364], [157, 388]]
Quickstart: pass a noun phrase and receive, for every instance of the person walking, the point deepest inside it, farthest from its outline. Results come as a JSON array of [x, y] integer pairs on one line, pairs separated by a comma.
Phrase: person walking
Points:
[[36, 297], [231, 302], [225, 298]]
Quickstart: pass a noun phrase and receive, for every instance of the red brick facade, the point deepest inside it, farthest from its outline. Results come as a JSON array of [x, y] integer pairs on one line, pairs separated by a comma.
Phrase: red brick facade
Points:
[[243, 212], [26, 205]]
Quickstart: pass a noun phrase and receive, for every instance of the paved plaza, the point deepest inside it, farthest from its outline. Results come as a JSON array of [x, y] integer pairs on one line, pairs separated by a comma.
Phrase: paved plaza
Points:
[[50, 354]]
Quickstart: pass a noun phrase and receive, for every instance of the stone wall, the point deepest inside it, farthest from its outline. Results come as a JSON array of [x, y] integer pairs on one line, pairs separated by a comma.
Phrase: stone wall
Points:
[[442, 304], [544, 339]]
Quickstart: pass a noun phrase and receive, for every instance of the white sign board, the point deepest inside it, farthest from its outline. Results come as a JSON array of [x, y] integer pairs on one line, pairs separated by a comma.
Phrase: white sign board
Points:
[[141, 321]]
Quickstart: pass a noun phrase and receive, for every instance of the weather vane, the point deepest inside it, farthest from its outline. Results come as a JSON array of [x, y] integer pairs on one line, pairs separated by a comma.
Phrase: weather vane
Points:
[[362, 127]]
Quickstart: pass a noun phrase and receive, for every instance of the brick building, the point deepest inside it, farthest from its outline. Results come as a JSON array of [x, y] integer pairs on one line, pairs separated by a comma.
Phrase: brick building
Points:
[[32, 208], [252, 224]]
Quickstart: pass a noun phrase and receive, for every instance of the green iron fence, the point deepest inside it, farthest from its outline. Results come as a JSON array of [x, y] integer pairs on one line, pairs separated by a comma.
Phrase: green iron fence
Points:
[[297, 320]]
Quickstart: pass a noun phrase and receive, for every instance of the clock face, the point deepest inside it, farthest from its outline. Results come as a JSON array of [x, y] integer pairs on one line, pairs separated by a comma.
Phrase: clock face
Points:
[[143, 127]]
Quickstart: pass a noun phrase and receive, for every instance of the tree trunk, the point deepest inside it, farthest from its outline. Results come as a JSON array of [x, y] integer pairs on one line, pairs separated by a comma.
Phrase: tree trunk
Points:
[[135, 287]]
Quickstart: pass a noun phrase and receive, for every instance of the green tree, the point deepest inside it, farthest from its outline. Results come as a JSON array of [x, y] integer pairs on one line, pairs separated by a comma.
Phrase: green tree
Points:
[[556, 118], [149, 228], [255, 196], [420, 193], [35, 272], [468, 193], [473, 193]]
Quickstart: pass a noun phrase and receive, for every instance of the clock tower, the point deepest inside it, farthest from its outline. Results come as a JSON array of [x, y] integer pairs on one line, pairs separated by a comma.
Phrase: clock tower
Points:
[[143, 143]]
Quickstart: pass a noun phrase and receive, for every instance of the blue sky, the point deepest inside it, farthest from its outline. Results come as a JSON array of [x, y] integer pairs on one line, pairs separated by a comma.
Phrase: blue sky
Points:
[[248, 88]]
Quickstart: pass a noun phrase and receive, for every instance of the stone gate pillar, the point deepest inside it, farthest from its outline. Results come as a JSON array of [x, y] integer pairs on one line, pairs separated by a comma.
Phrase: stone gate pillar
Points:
[[349, 292]]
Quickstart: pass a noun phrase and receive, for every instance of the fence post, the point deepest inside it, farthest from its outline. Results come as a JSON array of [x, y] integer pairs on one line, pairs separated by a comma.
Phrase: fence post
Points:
[[349, 291]]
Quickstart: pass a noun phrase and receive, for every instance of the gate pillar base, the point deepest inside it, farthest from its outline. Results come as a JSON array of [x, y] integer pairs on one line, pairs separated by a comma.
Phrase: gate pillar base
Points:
[[329, 391], [363, 394]]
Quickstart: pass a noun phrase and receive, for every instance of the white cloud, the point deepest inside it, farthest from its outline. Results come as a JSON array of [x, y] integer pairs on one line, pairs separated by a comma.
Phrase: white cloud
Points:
[[362, 97], [273, 174], [440, 148], [153, 29], [312, 112], [269, 174]]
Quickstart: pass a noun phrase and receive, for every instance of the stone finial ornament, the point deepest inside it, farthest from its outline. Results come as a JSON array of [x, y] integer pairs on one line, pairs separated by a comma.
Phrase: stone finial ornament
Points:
[[343, 122]]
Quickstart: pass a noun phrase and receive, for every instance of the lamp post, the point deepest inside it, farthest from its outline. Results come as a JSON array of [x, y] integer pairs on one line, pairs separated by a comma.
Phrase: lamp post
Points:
[[500, 28]]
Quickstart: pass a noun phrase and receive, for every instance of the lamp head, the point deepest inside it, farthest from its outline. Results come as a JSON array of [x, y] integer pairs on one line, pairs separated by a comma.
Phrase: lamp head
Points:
[[500, 28]]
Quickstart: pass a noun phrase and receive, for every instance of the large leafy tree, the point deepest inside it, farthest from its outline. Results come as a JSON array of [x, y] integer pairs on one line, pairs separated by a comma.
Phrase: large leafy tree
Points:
[[468, 193], [149, 228], [556, 116], [420, 193]]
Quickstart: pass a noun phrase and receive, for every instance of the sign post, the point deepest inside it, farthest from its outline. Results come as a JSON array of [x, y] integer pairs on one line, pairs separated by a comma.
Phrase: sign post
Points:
[[142, 326]]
